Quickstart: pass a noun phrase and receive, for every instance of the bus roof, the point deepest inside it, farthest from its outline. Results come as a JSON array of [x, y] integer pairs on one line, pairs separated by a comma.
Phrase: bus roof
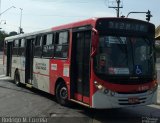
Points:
[[91, 21]]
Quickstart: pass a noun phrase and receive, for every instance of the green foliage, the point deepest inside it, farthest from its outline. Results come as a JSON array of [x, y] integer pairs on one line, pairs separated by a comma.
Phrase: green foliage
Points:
[[3, 34], [12, 33]]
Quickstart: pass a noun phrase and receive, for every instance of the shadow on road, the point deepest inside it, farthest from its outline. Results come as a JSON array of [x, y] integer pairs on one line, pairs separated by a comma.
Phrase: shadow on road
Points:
[[144, 114], [24, 89], [125, 115]]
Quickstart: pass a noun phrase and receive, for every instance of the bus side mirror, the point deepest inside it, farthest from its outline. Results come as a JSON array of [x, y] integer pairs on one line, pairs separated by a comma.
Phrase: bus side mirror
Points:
[[95, 40]]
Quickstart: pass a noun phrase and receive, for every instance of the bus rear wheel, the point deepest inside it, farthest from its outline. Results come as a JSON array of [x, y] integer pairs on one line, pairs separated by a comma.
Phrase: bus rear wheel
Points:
[[17, 79], [62, 94]]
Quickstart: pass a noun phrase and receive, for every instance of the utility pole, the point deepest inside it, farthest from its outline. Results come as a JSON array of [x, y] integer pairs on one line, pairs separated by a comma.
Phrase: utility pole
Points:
[[20, 25], [117, 8], [118, 2], [0, 7]]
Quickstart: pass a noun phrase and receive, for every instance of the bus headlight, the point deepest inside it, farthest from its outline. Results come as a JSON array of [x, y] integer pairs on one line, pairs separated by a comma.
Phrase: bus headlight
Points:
[[103, 89], [112, 93], [106, 91], [99, 86]]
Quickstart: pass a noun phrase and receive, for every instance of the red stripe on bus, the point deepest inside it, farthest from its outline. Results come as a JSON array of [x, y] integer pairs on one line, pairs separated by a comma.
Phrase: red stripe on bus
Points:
[[33, 72], [81, 98], [86, 99]]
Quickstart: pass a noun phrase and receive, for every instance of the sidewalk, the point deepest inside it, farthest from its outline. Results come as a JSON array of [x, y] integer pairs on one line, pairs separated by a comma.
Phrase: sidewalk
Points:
[[158, 95], [1, 61], [1, 67]]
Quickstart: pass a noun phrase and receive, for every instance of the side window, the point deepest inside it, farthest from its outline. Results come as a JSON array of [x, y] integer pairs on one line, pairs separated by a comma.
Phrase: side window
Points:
[[5, 47], [19, 44], [61, 44], [15, 47], [22, 43], [38, 41], [38, 47], [16, 43], [48, 46], [50, 39], [21, 51], [44, 39]]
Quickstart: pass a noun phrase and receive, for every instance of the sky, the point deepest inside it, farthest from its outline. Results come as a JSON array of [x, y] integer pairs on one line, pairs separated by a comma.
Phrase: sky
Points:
[[43, 14]]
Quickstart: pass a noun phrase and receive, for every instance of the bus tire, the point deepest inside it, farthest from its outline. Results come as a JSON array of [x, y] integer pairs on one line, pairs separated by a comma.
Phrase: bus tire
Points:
[[62, 94], [17, 78]]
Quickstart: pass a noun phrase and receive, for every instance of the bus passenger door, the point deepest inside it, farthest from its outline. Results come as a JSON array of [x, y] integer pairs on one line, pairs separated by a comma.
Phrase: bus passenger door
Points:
[[9, 58], [80, 66], [29, 61]]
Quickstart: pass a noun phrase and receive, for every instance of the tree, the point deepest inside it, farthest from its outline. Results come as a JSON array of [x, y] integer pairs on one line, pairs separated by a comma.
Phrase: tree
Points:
[[3, 34], [13, 33]]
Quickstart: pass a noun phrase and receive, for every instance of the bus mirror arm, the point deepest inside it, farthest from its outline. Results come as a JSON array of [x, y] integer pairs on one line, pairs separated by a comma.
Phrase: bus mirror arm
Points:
[[94, 42]]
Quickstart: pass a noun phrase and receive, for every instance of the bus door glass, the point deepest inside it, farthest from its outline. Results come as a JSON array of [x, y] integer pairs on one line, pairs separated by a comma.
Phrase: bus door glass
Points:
[[9, 58], [29, 61], [80, 65]]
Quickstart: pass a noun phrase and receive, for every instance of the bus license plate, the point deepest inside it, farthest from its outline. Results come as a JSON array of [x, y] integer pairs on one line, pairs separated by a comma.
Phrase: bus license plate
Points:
[[133, 100]]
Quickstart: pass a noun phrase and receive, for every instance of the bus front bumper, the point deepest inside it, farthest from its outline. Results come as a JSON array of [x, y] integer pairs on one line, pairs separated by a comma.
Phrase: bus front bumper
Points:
[[100, 100]]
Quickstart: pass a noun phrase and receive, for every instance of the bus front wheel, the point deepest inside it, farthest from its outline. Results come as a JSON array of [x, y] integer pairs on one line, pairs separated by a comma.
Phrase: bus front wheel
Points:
[[62, 94]]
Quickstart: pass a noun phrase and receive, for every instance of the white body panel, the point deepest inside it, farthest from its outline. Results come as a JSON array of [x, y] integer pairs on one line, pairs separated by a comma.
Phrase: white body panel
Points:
[[102, 101], [22, 69], [5, 64], [41, 74], [15, 64], [18, 63]]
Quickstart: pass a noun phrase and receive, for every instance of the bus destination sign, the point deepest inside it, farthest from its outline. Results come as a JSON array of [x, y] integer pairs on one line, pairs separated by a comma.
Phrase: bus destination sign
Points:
[[128, 26]]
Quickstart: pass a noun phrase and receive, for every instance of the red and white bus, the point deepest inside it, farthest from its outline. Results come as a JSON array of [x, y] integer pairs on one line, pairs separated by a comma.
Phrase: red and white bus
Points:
[[100, 62]]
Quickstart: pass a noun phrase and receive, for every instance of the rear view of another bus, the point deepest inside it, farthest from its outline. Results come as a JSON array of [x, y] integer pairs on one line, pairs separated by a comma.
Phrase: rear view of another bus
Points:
[[124, 64]]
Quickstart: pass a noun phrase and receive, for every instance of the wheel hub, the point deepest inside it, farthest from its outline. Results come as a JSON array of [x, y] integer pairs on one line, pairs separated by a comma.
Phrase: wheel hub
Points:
[[63, 93]]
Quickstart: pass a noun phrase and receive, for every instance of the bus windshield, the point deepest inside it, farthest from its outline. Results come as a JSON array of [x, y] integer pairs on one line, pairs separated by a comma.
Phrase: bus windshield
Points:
[[124, 56]]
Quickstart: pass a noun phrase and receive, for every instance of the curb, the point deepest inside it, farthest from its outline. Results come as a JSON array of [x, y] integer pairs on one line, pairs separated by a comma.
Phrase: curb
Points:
[[4, 77]]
